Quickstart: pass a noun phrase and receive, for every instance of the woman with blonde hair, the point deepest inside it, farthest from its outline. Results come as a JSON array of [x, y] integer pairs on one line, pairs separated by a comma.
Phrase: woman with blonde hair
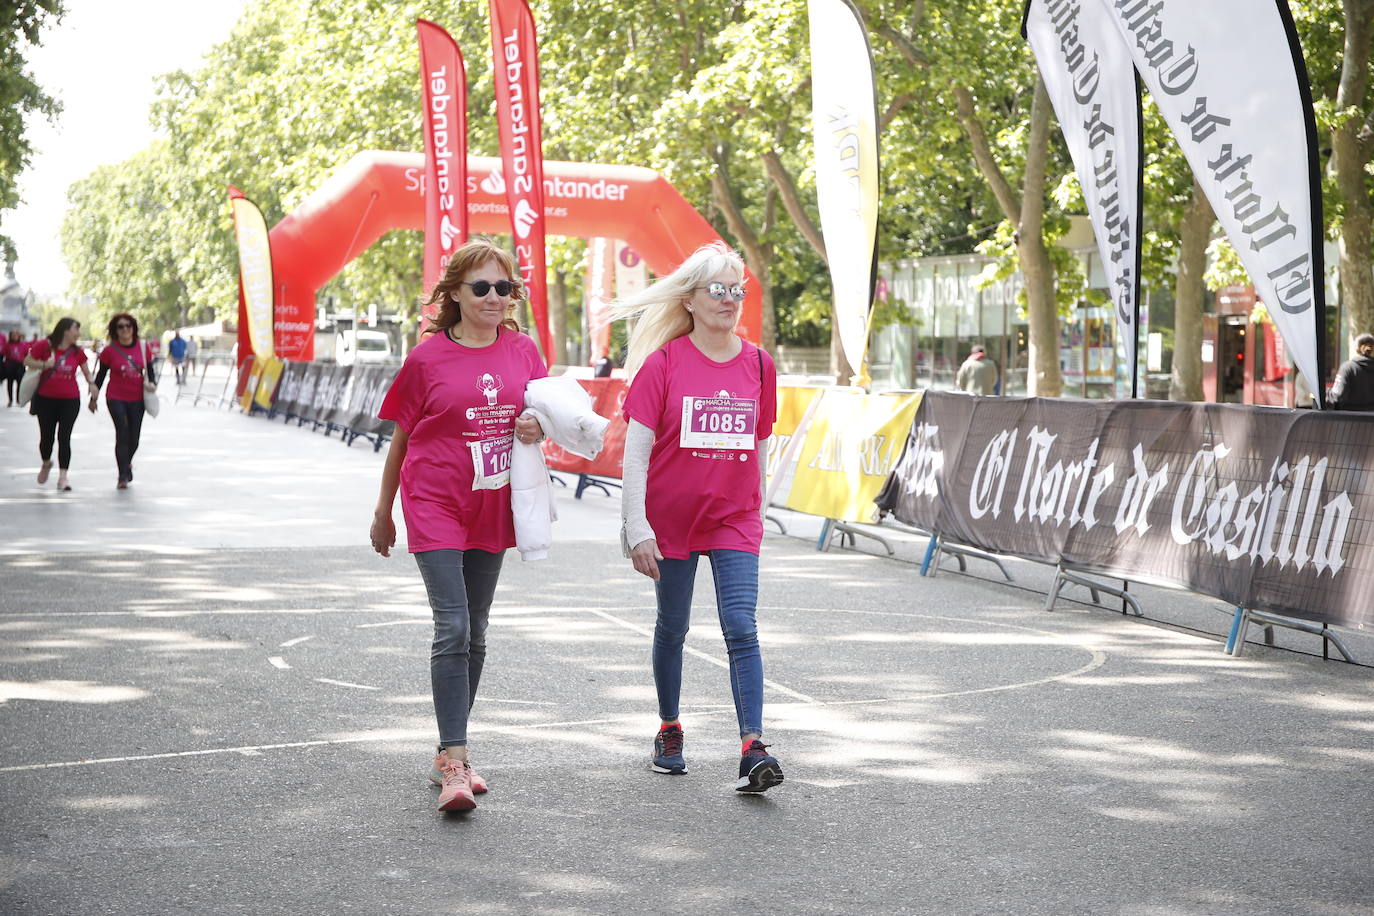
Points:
[[456, 404], [702, 400]]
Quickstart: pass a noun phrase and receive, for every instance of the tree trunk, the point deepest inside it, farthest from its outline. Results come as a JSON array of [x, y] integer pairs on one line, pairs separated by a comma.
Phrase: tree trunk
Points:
[[839, 363], [1042, 309], [558, 318], [1352, 143], [1194, 231], [756, 255]]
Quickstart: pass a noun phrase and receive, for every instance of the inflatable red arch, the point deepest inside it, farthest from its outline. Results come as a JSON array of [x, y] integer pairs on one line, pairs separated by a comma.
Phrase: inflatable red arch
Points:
[[377, 191]]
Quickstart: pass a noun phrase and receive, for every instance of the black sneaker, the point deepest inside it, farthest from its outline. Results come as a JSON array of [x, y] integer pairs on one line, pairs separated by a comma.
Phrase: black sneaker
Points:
[[758, 770], [668, 752]]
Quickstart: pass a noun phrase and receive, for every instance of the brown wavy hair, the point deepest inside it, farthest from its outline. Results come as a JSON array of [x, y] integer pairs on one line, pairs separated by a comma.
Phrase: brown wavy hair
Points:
[[122, 316], [475, 254]]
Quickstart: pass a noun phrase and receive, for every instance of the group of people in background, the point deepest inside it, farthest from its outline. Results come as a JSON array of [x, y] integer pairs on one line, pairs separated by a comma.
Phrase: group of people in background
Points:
[[130, 365], [700, 408]]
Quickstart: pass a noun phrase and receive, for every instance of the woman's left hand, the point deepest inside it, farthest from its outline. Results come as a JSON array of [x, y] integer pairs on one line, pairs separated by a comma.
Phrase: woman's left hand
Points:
[[149, 386], [528, 430]]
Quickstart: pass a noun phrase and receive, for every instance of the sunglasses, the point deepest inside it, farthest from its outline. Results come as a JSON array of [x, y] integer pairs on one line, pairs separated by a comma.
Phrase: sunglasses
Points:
[[719, 291], [503, 287]]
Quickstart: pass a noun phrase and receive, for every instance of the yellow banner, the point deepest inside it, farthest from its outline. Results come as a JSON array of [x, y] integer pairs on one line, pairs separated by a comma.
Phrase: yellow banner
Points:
[[255, 272], [250, 388], [792, 404], [267, 382], [853, 441]]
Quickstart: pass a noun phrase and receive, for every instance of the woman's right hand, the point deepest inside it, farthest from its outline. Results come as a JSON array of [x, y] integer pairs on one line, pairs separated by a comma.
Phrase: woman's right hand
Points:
[[645, 557], [383, 534], [91, 403]]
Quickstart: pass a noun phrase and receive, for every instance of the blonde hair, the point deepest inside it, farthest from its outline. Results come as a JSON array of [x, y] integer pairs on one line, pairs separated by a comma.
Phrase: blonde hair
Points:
[[442, 310], [661, 308]]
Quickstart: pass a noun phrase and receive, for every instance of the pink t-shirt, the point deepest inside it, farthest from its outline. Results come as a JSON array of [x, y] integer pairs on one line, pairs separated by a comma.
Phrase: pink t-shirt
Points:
[[450, 398], [703, 487], [15, 351], [61, 381], [126, 381]]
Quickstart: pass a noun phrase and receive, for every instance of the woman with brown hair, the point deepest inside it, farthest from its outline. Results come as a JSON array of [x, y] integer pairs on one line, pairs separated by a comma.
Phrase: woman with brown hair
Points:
[[130, 366], [456, 404], [57, 402]]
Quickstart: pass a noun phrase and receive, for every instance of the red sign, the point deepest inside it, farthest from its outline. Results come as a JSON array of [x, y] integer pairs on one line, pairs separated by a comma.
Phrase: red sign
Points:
[[522, 149], [443, 82]]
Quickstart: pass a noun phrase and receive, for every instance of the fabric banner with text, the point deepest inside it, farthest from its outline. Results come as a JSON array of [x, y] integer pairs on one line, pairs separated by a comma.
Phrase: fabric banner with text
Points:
[[1265, 509], [1229, 78], [516, 75], [255, 278], [1092, 85], [443, 82], [851, 445], [845, 126]]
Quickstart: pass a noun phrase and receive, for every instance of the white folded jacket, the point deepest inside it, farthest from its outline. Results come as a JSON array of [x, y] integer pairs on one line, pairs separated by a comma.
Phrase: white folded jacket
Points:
[[564, 411]]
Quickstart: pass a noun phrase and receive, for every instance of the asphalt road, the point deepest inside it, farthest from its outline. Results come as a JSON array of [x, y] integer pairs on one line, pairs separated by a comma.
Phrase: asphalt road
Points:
[[214, 699]]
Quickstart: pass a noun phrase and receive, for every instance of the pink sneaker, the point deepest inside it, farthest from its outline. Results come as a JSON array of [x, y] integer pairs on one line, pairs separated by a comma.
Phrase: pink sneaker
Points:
[[436, 774], [456, 787], [43, 472]]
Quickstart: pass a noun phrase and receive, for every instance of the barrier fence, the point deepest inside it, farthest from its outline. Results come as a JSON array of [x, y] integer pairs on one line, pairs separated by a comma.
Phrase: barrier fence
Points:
[[1269, 510]]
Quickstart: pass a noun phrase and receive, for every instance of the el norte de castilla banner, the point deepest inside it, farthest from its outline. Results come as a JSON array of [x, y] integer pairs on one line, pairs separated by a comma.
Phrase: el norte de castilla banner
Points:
[[1092, 85], [1229, 78], [1264, 509]]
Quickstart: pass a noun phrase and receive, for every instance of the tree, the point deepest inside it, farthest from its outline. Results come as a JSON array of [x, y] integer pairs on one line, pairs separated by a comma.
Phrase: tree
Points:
[[20, 97], [979, 67], [1351, 125]]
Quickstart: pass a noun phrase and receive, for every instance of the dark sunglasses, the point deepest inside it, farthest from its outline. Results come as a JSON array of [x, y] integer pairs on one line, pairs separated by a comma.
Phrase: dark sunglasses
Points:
[[718, 291], [503, 287]]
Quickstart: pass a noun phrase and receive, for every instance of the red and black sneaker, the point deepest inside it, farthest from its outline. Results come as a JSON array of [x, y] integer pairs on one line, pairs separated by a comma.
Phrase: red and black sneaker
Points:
[[759, 770], [668, 751]]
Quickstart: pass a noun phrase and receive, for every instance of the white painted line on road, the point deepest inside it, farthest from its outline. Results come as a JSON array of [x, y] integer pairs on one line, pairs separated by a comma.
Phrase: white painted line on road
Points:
[[521, 702], [394, 735], [295, 642], [327, 680], [390, 623], [279, 662], [698, 653]]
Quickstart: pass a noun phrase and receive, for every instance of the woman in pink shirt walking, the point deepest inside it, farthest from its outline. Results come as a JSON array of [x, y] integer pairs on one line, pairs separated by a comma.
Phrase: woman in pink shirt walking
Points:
[[129, 363], [456, 404], [12, 369], [702, 401], [57, 402]]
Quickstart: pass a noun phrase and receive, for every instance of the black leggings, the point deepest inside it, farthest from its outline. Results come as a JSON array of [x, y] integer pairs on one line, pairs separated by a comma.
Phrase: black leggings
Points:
[[13, 372], [56, 416], [128, 423]]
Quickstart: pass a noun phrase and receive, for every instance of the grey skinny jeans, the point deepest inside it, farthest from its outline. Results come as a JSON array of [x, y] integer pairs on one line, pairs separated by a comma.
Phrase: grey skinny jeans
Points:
[[461, 584]]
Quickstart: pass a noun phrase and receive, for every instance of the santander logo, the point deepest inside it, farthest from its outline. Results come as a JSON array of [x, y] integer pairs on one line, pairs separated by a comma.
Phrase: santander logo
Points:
[[495, 183], [524, 218]]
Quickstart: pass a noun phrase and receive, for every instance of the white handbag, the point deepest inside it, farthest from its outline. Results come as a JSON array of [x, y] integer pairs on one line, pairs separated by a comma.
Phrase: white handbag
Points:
[[151, 404], [28, 385]]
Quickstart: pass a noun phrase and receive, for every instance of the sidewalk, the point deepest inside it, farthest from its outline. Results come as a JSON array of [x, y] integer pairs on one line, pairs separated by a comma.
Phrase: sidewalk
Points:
[[214, 698]]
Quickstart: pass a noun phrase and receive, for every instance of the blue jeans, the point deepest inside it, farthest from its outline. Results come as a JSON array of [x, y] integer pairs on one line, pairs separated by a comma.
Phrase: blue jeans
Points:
[[736, 575], [461, 584]]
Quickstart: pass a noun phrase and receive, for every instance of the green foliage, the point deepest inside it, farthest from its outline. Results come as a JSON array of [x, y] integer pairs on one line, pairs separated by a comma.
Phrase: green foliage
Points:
[[20, 97], [694, 88]]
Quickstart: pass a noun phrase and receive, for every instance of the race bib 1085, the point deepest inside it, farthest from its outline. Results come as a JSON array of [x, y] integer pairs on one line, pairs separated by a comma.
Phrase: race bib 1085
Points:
[[491, 462], [727, 423]]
